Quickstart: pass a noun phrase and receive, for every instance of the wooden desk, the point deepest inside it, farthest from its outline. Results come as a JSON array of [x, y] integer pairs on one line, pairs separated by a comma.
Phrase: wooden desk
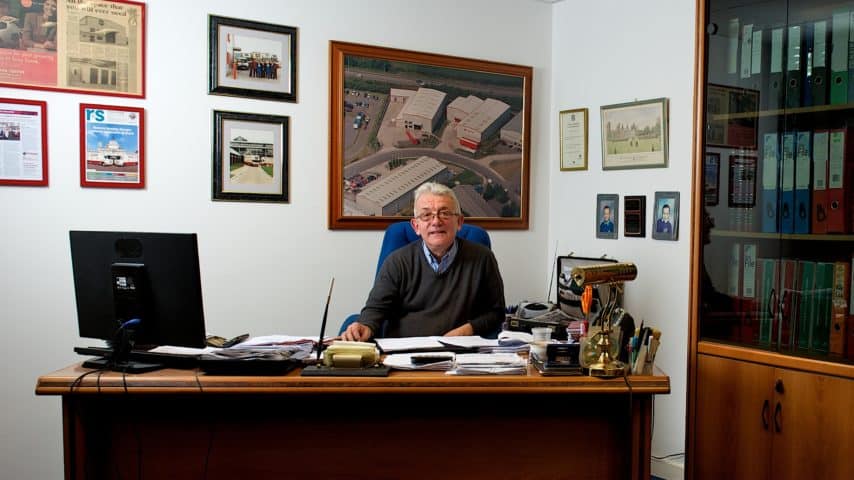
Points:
[[183, 424]]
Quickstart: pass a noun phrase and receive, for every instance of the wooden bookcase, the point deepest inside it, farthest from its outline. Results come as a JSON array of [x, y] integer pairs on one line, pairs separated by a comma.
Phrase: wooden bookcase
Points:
[[771, 347]]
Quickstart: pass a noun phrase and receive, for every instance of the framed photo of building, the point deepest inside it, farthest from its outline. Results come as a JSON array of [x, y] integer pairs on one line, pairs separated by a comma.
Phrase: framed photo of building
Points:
[[401, 118], [95, 47], [112, 146], [23, 142], [607, 215], [634, 135], [252, 59], [666, 216], [251, 157]]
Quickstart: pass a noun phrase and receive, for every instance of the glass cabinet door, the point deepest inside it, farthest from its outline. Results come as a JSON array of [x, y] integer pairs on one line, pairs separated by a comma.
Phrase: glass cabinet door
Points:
[[777, 171]]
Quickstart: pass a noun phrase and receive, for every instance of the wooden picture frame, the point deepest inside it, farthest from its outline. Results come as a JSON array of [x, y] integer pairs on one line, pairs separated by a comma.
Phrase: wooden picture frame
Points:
[[573, 139], [94, 47], [399, 117], [634, 216], [252, 59], [251, 157], [607, 215], [635, 134], [665, 218], [23, 142], [112, 146]]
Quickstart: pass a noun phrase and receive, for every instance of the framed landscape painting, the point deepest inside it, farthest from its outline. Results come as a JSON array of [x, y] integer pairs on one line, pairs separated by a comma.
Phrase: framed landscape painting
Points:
[[400, 118]]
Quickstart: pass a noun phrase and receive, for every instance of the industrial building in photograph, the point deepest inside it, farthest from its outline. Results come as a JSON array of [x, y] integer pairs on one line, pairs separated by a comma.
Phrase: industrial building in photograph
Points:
[[392, 193]]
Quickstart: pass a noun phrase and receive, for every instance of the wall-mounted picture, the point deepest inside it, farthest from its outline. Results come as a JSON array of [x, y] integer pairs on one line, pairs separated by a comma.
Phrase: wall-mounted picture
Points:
[[94, 47], [401, 118], [634, 135], [112, 146], [607, 215], [742, 181], [252, 59], [711, 178], [665, 222], [251, 157], [573, 139], [23, 142], [634, 215]]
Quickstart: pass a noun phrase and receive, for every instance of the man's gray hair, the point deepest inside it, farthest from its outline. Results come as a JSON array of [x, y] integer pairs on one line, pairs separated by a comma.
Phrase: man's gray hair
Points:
[[436, 189]]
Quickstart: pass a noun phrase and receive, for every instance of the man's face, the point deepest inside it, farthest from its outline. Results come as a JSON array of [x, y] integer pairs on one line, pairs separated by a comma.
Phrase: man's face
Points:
[[438, 234], [606, 214], [665, 214]]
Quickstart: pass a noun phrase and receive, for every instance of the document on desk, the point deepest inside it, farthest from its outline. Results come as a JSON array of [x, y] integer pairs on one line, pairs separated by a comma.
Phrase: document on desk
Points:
[[469, 341], [489, 364], [403, 361], [173, 350], [409, 344]]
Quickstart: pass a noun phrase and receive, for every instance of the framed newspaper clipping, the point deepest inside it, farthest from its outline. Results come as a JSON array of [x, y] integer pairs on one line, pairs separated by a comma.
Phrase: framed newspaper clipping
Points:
[[23, 142], [95, 47]]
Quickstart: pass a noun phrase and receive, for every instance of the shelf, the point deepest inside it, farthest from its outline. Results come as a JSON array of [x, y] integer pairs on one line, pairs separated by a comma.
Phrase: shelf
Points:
[[782, 111], [783, 236]]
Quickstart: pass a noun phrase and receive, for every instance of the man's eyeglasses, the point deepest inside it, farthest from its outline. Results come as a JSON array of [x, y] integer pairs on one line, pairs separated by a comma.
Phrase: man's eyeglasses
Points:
[[443, 215]]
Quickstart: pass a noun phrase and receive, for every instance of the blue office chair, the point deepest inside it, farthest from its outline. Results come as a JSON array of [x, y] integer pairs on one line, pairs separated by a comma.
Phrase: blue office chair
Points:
[[400, 234]]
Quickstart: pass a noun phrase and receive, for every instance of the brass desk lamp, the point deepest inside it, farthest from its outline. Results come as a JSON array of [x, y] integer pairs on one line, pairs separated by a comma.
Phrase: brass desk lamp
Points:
[[612, 274]]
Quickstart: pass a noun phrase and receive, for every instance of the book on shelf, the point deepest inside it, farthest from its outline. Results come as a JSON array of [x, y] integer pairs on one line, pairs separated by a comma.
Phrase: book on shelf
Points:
[[817, 64], [803, 193], [767, 279], [794, 65], [840, 24], [789, 292], [748, 308], [838, 179], [803, 333], [823, 308], [839, 307], [770, 183], [819, 187], [787, 184]]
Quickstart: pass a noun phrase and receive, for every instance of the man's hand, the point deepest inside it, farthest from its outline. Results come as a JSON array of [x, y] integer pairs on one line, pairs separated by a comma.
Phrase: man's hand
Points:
[[462, 331], [357, 332]]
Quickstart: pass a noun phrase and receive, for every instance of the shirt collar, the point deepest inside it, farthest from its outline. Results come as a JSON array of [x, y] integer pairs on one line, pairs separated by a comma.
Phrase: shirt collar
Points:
[[437, 265]]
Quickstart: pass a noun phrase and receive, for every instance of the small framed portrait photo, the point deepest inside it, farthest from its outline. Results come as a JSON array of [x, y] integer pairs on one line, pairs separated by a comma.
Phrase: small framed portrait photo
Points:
[[607, 215], [665, 219]]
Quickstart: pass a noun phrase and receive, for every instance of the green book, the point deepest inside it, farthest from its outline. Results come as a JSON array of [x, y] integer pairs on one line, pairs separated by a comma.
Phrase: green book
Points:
[[767, 296], [804, 335], [823, 307]]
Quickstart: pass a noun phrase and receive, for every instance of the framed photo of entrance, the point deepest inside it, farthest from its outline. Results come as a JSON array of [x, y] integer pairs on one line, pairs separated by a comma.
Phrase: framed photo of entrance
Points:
[[95, 47], [112, 146], [250, 157], [252, 59], [400, 118]]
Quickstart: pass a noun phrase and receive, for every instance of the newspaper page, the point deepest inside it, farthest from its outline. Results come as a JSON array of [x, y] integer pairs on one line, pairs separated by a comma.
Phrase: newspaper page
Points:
[[101, 46]]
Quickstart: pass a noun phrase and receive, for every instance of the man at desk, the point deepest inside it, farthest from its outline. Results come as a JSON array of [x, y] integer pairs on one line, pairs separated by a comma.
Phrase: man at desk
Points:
[[439, 285]]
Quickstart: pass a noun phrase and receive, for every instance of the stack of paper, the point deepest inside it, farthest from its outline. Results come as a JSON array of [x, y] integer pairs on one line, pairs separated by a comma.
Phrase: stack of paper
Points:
[[403, 361], [489, 364]]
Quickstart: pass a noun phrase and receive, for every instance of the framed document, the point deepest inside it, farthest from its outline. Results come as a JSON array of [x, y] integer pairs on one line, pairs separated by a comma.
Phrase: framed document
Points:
[[112, 150], [95, 46], [23, 142], [634, 134], [573, 139]]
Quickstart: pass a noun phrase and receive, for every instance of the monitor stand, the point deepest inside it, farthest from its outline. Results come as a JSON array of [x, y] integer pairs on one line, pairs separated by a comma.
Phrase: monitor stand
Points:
[[127, 366]]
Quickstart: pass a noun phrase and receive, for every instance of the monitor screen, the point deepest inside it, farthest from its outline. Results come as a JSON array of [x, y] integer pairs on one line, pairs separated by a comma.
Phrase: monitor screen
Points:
[[121, 276]]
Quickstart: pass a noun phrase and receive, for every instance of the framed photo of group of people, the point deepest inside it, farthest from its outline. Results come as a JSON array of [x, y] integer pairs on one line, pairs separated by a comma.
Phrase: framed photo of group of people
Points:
[[665, 219]]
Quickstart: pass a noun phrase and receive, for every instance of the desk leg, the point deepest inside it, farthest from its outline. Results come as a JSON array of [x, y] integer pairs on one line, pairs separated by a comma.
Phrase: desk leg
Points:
[[641, 436]]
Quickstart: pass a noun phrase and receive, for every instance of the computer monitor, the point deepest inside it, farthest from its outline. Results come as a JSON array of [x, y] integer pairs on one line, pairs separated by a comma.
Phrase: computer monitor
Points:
[[136, 290]]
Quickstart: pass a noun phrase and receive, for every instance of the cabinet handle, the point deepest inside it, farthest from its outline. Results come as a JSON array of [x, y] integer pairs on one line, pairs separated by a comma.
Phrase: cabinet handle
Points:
[[778, 412], [766, 413]]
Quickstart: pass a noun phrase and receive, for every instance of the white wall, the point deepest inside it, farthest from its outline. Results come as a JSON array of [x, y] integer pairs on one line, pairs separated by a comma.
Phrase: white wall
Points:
[[609, 52], [279, 286]]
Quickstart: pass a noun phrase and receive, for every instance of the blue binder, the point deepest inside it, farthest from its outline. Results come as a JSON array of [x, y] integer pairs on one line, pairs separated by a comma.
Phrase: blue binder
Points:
[[787, 185], [770, 182], [803, 186]]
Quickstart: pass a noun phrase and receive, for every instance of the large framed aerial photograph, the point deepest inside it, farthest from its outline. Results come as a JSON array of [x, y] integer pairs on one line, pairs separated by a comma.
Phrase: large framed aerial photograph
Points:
[[634, 135], [252, 59], [95, 47], [23, 142], [250, 157], [400, 118], [112, 146]]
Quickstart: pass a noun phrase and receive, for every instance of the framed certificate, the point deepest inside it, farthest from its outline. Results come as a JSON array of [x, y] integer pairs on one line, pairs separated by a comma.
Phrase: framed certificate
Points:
[[573, 139]]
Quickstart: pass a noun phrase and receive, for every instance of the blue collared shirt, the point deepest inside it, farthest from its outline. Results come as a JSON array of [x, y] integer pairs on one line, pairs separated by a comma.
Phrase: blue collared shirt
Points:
[[437, 265]]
